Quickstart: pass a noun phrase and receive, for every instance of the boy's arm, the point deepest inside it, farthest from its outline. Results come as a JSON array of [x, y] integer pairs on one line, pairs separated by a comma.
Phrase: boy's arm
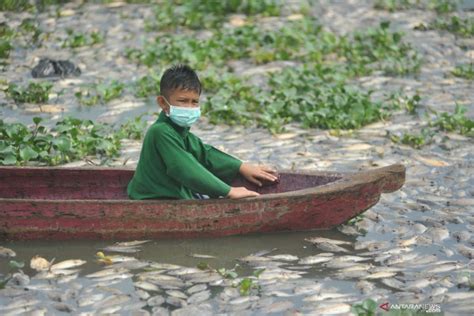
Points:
[[184, 168], [222, 165]]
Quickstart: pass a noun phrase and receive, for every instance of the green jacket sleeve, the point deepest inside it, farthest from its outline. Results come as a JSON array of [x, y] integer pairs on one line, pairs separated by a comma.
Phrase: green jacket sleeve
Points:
[[222, 165], [185, 168]]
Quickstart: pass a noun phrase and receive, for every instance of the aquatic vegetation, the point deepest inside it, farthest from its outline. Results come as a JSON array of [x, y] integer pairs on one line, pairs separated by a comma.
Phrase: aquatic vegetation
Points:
[[35, 92], [368, 307], [416, 141], [382, 48], [455, 122], [440, 6], [14, 5], [465, 71], [133, 128], [147, 86], [101, 93], [199, 14], [77, 39], [299, 40], [313, 96], [463, 27], [71, 139], [6, 35], [400, 101]]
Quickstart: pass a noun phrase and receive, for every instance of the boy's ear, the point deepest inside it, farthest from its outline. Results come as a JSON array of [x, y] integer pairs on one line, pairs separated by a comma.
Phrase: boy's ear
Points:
[[162, 103]]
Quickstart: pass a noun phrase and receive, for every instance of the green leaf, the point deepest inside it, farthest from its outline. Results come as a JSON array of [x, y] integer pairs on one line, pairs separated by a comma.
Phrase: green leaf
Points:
[[16, 265], [37, 120], [9, 160], [27, 153]]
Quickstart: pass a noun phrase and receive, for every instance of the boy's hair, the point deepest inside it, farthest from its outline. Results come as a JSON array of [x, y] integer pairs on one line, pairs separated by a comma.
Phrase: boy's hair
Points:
[[179, 77]]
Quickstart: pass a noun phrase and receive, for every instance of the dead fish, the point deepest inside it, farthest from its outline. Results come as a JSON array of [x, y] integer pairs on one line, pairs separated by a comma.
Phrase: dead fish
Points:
[[131, 243], [164, 266], [466, 251], [364, 287], [332, 309], [113, 277], [277, 307], [6, 252], [349, 230], [352, 258], [199, 297], [420, 283], [68, 264], [107, 272], [197, 255], [459, 296], [19, 302], [155, 301], [407, 242], [263, 252], [445, 268], [115, 299], [318, 240], [177, 294], [438, 234], [307, 289], [325, 296], [284, 257], [380, 275], [196, 288], [89, 299], [371, 245], [357, 267], [121, 249], [393, 283], [40, 264], [147, 286], [315, 259], [397, 259], [254, 259], [177, 302], [325, 246]]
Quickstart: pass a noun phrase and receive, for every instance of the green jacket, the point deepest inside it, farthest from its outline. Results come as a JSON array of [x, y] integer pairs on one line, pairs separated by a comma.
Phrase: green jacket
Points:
[[174, 164]]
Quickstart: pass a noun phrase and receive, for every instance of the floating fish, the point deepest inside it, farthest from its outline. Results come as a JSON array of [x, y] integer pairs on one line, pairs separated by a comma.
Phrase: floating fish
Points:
[[40, 264], [317, 240], [131, 243], [201, 256], [325, 246], [68, 264], [6, 252]]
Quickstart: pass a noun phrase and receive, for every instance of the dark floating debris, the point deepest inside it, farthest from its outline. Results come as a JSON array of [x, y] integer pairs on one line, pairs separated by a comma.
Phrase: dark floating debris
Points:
[[55, 68]]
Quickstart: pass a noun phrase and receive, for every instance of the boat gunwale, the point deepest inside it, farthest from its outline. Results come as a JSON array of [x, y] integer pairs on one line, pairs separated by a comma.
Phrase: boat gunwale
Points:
[[346, 181]]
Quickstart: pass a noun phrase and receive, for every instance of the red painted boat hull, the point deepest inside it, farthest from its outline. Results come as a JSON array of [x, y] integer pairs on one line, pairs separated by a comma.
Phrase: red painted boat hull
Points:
[[59, 203]]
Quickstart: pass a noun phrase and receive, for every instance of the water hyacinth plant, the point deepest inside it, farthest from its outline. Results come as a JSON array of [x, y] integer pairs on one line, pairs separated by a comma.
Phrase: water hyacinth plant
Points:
[[35, 92], [100, 93], [199, 14], [71, 139], [77, 39]]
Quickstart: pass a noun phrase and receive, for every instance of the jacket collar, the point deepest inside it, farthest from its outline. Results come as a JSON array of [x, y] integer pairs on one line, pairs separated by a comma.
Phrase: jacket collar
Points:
[[183, 131]]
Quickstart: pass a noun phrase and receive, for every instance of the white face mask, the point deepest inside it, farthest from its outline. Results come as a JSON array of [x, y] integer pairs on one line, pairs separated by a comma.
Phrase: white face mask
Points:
[[183, 116]]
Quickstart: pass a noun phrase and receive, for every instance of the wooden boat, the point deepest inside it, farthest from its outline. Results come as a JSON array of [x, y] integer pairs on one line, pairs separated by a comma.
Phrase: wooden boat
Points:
[[91, 203]]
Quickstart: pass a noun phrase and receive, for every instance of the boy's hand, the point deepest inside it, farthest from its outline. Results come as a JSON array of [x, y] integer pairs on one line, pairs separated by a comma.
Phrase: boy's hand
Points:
[[241, 192], [256, 174]]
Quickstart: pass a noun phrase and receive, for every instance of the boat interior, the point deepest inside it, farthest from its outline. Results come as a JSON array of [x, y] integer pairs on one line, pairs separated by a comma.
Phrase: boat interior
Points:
[[111, 184]]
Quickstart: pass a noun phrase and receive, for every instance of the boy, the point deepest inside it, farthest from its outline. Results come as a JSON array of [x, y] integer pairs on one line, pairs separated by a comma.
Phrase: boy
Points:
[[174, 163]]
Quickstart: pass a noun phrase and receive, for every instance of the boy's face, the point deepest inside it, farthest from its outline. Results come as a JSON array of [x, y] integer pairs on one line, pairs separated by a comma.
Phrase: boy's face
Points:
[[178, 97]]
